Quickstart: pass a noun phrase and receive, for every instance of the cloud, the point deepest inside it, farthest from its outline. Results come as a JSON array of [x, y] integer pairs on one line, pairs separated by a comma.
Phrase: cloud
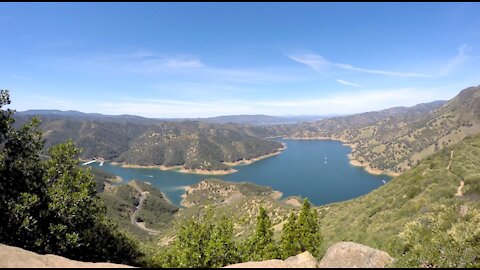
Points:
[[348, 83], [320, 64], [314, 61], [142, 61], [340, 103], [179, 67], [459, 59], [382, 72]]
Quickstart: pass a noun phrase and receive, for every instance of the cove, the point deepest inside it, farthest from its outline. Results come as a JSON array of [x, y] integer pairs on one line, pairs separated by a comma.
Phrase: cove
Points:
[[315, 169]]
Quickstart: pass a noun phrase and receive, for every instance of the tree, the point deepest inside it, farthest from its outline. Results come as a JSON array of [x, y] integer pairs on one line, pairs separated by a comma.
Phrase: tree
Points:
[[308, 229], [222, 249], [23, 196], [73, 205], [201, 243], [50, 206], [289, 240], [260, 245], [302, 234]]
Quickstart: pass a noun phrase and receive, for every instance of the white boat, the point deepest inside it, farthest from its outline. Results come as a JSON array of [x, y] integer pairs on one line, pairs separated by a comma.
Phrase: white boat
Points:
[[384, 181], [101, 163]]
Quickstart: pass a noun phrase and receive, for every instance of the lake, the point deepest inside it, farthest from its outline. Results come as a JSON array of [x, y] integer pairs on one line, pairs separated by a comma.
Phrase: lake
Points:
[[316, 169]]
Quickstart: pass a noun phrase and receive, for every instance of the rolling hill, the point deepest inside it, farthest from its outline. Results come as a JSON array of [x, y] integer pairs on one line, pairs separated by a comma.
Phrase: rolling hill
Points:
[[377, 219], [396, 139], [191, 145]]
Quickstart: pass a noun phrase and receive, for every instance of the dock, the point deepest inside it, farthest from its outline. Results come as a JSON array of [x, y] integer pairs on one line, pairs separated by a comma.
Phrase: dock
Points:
[[89, 162]]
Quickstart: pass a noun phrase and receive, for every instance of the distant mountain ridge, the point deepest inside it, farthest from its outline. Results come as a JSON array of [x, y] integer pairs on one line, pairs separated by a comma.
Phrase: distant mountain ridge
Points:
[[248, 119], [260, 119]]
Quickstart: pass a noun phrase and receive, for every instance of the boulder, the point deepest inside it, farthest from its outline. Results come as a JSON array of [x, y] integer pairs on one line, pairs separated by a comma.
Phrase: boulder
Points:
[[14, 257], [303, 260], [353, 255]]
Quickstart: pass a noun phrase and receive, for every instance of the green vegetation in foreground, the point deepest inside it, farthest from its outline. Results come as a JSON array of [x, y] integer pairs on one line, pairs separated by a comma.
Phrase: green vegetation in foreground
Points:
[[50, 205], [416, 217], [205, 241]]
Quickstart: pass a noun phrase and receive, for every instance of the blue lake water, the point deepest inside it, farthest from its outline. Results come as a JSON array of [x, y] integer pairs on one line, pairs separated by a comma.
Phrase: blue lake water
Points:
[[316, 169]]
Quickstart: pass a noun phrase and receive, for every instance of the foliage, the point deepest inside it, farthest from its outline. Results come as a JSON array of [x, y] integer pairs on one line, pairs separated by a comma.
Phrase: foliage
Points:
[[201, 243], [23, 196], [447, 238], [377, 218], [288, 243], [208, 242], [302, 234], [50, 205], [260, 245]]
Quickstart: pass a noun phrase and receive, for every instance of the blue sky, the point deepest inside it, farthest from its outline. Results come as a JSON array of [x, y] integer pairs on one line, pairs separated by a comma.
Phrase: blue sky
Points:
[[199, 60]]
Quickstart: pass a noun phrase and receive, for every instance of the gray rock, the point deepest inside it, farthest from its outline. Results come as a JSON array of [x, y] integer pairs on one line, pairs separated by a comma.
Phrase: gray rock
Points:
[[353, 255]]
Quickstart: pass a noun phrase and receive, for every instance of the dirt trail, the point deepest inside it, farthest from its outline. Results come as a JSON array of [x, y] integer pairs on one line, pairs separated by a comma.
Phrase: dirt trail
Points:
[[450, 162], [462, 183], [460, 188], [133, 219]]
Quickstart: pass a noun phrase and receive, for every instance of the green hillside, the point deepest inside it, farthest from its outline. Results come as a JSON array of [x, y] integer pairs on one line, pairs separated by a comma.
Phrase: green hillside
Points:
[[377, 218]]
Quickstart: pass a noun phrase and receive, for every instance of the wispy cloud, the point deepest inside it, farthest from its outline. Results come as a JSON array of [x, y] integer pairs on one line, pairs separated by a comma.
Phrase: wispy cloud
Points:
[[382, 72], [320, 64], [314, 61], [348, 83], [187, 66], [459, 59], [344, 103], [142, 61]]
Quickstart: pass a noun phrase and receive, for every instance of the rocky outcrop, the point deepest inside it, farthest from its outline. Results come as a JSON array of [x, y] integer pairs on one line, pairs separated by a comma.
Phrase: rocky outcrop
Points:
[[353, 255], [303, 260], [339, 255], [14, 257]]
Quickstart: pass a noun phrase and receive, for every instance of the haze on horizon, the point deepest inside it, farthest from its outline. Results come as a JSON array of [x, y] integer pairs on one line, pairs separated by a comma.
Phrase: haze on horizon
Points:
[[175, 60]]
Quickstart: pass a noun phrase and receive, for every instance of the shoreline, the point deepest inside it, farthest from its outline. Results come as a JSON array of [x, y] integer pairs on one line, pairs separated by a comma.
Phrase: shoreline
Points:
[[179, 168], [184, 196], [366, 167], [252, 160], [277, 195]]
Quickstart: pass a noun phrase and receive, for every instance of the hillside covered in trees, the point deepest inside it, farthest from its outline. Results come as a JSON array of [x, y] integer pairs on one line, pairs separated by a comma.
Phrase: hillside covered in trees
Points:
[[141, 141]]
